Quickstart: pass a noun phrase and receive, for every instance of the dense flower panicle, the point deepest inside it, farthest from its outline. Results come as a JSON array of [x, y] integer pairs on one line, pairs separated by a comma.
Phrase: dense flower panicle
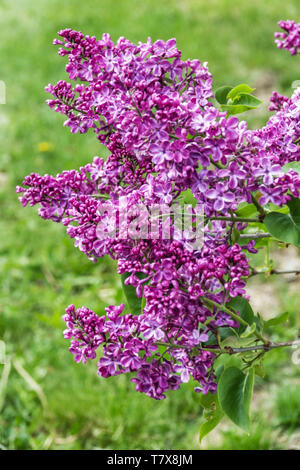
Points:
[[154, 112], [139, 99], [289, 39], [159, 119], [128, 348]]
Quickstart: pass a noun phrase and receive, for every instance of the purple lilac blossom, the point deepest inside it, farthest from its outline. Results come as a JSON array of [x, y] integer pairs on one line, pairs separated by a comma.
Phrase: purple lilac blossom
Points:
[[153, 111]]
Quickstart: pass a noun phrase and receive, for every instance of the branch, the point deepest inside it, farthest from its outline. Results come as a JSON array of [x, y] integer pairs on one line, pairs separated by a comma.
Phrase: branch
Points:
[[275, 271], [230, 350], [265, 347], [255, 235], [234, 219]]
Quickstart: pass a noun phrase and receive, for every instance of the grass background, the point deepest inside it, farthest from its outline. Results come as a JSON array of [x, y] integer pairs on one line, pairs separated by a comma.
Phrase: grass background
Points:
[[47, 401]]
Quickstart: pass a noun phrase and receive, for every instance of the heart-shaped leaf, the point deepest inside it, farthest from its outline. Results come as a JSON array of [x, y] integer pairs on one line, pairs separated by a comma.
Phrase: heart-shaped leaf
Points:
[[283, 227], [294, 206], [235, 392]]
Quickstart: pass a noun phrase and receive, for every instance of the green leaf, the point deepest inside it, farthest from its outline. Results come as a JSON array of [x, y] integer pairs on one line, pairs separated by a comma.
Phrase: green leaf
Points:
[[234, 109], [212, 414], [283, 227], [244, 102], [227, 331], [221, 94], [235, 236], [248, 100], [246, 210], [241, 305], [134, 302], [239, 341], [249, 331], [236, 91], [263, 242], [225, 361], [282, 318], [259, 370], [274, 208], [224, 332], [260, 322], [207, 400], [187, 197], [212, 421], [235, 392], [294, 206]]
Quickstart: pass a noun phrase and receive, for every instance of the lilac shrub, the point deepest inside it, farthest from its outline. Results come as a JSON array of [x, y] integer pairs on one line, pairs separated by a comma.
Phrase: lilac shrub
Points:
[[170, 143]]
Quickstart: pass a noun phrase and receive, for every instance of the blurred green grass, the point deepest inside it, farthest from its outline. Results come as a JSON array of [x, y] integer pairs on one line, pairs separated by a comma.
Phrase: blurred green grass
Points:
[[41, 272]]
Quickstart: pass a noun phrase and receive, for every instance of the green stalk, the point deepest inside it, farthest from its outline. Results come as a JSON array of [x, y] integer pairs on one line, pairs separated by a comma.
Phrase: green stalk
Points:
[[234, 316], [234, 219]]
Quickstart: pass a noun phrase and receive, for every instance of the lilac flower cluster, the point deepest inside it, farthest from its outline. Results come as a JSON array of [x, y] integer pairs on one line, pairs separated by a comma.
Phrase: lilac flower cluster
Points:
[[155, 114], [289, 39], [126, 351]]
